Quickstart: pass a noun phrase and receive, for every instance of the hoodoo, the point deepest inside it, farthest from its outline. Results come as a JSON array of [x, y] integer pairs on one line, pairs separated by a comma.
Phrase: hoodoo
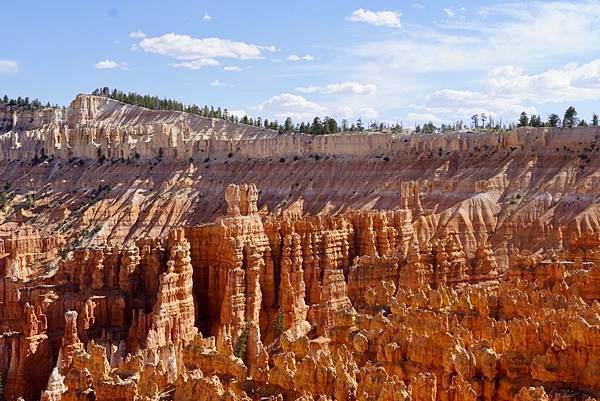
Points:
[[154, 255]]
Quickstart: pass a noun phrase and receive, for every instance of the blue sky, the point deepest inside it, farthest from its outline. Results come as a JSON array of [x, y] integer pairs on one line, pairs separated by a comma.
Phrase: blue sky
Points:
[[409, 61]]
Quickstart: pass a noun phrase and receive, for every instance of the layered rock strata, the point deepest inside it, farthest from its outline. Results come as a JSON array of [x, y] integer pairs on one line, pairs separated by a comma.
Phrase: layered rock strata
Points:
[[156, 255], [298, 307]]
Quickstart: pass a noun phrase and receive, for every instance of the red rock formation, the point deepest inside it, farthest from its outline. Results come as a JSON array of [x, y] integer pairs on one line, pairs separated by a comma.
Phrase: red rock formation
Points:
[[29, 356], [460, 268]]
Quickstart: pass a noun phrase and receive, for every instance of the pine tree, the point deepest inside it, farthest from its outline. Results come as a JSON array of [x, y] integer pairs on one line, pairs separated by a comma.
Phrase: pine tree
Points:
[[316, 127], [330, 125], [483, 118], [475, 120], [523, 120], [359, 125], [288, 125], [570, 119], [535, 121], [594, 119], [553, 120]]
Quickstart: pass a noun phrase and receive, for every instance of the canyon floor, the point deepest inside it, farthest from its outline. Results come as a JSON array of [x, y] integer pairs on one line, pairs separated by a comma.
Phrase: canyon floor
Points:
[[154, 255]]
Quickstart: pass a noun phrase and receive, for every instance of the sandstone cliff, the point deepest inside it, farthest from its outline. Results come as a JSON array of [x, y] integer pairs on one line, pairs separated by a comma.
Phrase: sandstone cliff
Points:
[[157, 255], [350, 306]]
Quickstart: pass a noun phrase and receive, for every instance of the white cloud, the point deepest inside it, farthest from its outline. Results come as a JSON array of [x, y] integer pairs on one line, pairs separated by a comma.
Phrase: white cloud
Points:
[[216, 82], [137, 34], [206, 18], [109, 64], [306, 57], [8, 67], [232, 68], [376, 18], [196, 64], [343, 112], [449, 12], [569, 82], [418, 5], [461, 104], [289, 105], [185, 47], [533, 38], [237, 113], [341, 88], [271, 49], [300, 109], [368, 113], [509, 91], [423, 117], [532, 35]]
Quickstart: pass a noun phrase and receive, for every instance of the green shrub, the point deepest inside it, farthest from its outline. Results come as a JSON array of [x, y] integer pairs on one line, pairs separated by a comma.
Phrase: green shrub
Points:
[[242, 342], [29, 201], [278, 324]]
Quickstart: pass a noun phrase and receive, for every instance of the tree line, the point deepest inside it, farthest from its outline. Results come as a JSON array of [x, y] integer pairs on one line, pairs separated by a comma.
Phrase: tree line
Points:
[[318, 126], [487, 122], [569, 120], [24, 103]]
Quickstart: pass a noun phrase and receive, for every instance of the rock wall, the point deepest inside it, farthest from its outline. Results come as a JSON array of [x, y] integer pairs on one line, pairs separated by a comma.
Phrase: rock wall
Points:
[[139, 263], [14, 118], [95, 126], [350, 306], [114, 172]]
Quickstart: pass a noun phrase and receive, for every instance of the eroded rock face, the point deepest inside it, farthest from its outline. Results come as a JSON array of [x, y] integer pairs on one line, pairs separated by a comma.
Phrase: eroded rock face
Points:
[[350, 306], [470, 273]]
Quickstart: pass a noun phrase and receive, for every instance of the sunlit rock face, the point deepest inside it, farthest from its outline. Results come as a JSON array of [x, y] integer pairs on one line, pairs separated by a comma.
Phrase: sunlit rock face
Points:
[[156, 255]]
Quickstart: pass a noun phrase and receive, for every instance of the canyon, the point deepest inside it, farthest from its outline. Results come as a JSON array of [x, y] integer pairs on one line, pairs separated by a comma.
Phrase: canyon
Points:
[[158, 255]]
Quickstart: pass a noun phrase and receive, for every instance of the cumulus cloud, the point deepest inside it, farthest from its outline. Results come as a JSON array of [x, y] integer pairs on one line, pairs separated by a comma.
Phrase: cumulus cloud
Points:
[[306, 57], [510, 90], [289, 105], [355, 88], [196, 64], [237, 113], [271, 49], [137, 34], [450, 104], [423, 117], [300, 109], [533, 38], [185, 47], [8, 67], [533, 34], [109, 64], [343, 112], [377, 18], [216, 82], [368, 113], [569, 82], [232, 68]]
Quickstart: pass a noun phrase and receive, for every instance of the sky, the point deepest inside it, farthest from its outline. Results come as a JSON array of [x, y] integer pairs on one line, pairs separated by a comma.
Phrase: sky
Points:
[[403, 62]]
